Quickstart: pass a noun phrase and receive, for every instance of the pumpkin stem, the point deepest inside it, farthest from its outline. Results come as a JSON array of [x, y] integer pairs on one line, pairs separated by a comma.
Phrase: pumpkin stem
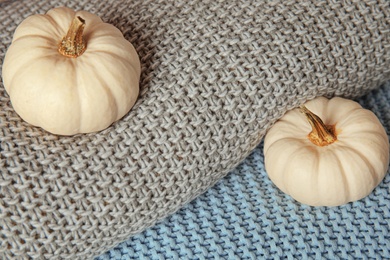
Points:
[[73, 45], [321, 134]]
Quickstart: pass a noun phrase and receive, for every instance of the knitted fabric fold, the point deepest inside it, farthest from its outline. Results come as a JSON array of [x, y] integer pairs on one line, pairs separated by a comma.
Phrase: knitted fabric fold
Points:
[[245, 216]]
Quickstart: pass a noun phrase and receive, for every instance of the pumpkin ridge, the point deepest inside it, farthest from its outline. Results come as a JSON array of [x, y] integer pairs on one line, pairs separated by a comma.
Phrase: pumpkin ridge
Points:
[[101, 50], [114, 45], [334, 115], [125, 63], [366, 161], [316, 171], [343, 173], [314, 151], [39, 120], [356, 122], [285, 127], [76, 82], [293, 153], [110, 95], [364, 134], [103, 30], [292, 125], [284, 139], [9, 78], [48, 32], [21, 66], [118, 57], [60, 18], [371, 171], [57, 28], [350, 120], [39, 45], [72, 84]]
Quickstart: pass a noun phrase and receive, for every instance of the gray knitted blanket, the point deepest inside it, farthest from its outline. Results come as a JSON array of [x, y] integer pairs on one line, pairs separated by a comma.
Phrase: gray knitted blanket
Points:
[[215, 76]]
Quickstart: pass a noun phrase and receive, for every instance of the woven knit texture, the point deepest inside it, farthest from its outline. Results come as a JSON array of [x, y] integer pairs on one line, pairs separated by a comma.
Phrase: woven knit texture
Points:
[[215, 76], [245, 216]]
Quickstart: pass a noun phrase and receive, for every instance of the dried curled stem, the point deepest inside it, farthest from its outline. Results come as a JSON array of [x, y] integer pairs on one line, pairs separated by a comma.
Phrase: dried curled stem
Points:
[[73, 45], [321, 134]]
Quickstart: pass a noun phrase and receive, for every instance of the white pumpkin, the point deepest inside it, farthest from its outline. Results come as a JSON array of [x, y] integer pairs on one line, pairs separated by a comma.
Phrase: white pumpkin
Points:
[[341, 156], [69, 72]]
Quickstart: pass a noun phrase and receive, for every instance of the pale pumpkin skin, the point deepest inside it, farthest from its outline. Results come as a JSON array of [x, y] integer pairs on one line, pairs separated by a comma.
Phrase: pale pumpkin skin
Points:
[[66, 95], [344, 171]]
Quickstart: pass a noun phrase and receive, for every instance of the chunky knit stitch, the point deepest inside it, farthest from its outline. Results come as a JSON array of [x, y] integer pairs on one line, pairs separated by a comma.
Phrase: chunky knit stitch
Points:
[[215, 76]]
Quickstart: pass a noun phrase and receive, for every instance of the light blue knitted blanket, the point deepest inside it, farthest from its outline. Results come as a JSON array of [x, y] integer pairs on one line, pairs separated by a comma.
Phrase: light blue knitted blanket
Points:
[[244, 216]]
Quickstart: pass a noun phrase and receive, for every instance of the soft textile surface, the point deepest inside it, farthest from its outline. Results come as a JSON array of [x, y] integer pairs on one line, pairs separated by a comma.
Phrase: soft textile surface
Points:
[[215, 76], [244, 216]]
